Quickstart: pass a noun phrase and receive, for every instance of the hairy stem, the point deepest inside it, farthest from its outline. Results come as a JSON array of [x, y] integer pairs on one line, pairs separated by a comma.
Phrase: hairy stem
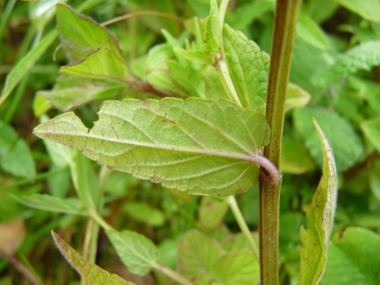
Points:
[[282, 45], [242, 224]]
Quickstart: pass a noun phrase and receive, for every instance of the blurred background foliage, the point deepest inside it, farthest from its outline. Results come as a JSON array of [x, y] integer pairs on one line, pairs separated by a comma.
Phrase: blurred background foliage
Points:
[[341, 76]]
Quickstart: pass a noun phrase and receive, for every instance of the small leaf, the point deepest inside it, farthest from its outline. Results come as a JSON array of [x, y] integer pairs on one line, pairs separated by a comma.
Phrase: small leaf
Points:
[[371, 129], [195, 55], [213, 33], [136, 251], [310, 32], [249, 68], [295, 158], [344, 141], [353, 258], [145, 213], [73, 91], [196, 254], [81, 36], [236, 268], [368, 9], [101, 64], [50, 203], [296, 97], [26, 63], [320, 213], [363, 56], [92, 273], [212, 212], [15, 155], [200, 145]]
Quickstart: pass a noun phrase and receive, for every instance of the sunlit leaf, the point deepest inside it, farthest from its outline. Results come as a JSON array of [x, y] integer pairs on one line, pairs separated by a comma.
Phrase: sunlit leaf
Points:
[[248, 66], [145, 213], [40, 105], [49, 203], [81, 36], [200, 145], [27, 62], [295, 158], [136, 251], [320, 213], [296, 97], [353, 258], [101, 64], [90, 272]]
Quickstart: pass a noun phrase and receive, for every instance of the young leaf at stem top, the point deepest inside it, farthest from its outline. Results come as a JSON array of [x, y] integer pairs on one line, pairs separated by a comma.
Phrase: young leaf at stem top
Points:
[[320, 213], [203, 146]]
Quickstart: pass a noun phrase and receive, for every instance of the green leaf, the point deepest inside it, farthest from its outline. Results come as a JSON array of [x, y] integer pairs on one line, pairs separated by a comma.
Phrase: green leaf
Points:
[[353, 258], [296, 97], [72, 91], [295, 158], [240, 242], [188, 77], [85, 180], [374, 179], [212, 212], [90, 272], [199, 145], [214, 86], [236, 268], [345, 143], [145, 213], [371, 129], [15, 155], [368, 9], [363, 56], [49, 203], [248, 66], [101, 64], [40, 105], [213, 33], [245, 14], [320, 213], [27, 62], [196, 254], [60, 155], [136, 251], [310, 32], [195, 55], [81, 36]]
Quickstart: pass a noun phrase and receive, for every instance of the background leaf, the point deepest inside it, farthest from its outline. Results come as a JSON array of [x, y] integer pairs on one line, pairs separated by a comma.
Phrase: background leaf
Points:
[[310, 32], [320, 213], [371, 129], [368, 9], [89, 271], [136, 251], [212, 211], [166, 141], [295, 158], [353, 257], [345, 143], [145, 213]]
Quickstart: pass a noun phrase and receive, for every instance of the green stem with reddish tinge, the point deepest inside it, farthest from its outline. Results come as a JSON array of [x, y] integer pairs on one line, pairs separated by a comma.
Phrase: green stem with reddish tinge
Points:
[[282, 45]]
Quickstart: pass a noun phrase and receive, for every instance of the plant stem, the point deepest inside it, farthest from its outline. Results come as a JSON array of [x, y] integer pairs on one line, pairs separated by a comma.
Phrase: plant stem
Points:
[[172, 274], [282, 45], [225, 77], [103, 223], [242, 224], [23, 269]]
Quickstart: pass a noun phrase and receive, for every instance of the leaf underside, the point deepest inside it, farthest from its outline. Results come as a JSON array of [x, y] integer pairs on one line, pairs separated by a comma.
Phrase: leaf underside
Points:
[[202, 146]]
